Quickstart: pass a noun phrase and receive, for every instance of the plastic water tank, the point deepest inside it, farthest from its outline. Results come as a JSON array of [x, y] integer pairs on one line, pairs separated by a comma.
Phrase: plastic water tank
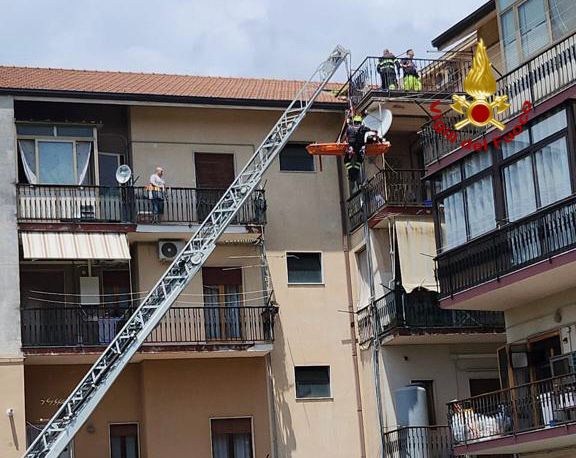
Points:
[[411, 406]]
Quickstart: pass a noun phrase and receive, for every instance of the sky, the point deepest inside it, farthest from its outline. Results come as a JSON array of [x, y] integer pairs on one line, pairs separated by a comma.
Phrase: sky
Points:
[[247, 38]]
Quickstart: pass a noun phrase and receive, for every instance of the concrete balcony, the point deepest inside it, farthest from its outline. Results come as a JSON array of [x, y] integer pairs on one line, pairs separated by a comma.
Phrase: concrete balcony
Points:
[[535, 417], [388, 192], [60, 330], [517, 263], [415, 318]]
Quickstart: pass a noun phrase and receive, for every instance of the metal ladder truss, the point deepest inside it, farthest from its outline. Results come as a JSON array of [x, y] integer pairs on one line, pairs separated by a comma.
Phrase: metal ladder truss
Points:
[[60, 430]]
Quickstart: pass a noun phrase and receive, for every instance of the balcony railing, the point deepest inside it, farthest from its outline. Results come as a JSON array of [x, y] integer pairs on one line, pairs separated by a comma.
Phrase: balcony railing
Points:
[[535, 81], [419, 441], [437, 79], [418, 312], [516, 245], [89, 326], [523, 408], [388, 187], [129, 205]]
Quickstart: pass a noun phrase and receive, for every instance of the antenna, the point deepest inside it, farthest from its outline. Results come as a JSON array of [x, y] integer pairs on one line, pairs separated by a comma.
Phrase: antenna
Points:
[[123, 174]]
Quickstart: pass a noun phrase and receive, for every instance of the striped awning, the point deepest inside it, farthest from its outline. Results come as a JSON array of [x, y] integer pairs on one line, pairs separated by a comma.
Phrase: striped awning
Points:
[[75, 245]]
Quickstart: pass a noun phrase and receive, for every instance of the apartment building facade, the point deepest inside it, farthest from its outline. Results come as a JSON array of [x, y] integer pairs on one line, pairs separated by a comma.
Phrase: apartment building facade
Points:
[[235, 368], [504, 223]]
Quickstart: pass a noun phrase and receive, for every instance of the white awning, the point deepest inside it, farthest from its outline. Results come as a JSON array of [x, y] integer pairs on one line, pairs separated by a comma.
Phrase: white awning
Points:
[[75, 245], [416, 250]]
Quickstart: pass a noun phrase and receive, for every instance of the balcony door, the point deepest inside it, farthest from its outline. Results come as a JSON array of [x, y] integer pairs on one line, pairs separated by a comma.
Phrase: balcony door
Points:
[[222, 302], [214, 173], [110, 195]]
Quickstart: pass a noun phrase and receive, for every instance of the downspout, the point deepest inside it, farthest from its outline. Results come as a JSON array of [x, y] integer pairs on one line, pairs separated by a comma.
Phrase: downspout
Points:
[[351, 312]]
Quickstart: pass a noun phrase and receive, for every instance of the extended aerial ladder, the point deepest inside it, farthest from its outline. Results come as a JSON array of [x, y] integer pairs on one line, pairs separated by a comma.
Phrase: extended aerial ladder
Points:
[[69, 418]]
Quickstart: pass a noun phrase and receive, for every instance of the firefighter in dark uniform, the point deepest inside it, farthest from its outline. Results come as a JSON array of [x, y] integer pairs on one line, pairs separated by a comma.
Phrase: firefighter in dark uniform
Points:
[[387, 68], [355, 134]]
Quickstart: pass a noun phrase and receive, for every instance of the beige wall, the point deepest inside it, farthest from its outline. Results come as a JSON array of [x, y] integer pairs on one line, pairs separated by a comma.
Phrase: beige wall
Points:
[[303, 215], [171, 400], [554, 312], [12, 429]]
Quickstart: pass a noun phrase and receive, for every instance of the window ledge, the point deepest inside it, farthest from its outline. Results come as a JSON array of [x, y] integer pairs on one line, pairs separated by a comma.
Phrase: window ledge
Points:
[[306, 284], [327, 399]]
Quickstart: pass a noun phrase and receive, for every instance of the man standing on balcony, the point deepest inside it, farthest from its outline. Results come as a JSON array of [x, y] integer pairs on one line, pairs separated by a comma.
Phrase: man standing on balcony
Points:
[[156, 190], [411, 77], [387, 69]]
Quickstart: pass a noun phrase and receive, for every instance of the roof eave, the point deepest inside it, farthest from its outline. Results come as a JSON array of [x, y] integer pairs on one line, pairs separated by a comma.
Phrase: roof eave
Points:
[[160, 98]]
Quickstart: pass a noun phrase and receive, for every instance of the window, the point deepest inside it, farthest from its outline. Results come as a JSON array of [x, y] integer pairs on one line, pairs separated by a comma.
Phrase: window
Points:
[[58, 155], [312, 382], [528, 26], [304, 268], [363, 280], [124, 441], [295, 158], [222, 302], [469, 211], [231, 438], [428, 385]]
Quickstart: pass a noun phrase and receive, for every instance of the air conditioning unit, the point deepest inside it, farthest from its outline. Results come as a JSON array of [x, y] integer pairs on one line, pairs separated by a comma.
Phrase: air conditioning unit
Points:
[[563, 364], [169, 249]]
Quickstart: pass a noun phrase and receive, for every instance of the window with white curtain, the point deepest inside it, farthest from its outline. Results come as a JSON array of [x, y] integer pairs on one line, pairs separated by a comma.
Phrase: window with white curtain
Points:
[[529, 26], [363, 280], [231, 438], [56, 154]]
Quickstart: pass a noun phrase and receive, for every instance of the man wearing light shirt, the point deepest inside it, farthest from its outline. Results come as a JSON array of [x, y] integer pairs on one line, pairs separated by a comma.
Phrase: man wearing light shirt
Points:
[[156, 188]]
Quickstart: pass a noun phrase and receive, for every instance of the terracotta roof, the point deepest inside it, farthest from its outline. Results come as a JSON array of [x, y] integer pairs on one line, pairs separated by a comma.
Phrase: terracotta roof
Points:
[[152, 85]]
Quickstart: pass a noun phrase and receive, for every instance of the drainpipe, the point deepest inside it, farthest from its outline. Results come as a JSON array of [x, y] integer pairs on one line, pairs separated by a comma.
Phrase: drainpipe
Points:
[[351, 312], [373, 311]]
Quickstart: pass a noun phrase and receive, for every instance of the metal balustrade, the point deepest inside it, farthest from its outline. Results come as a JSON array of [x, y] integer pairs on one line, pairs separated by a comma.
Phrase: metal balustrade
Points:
[[528, 407], [402, 187], [513, 246], [538, 79], [437, 79], [418, 441], [94, 326], [128, 205], [419, 312]]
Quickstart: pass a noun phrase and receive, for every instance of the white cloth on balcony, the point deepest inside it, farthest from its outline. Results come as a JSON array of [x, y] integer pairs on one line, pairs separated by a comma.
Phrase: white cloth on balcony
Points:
[[416, 249]]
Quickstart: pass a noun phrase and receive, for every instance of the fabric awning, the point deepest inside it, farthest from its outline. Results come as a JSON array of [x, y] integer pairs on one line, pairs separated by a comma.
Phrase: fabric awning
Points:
[[75, 245], [416, 250]]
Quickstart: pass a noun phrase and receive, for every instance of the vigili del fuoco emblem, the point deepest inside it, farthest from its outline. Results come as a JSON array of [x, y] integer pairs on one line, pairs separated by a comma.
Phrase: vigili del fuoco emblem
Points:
[[480, 84]]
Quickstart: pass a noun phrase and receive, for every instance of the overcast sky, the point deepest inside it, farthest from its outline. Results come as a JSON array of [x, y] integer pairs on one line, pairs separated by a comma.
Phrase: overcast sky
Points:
[[254, 38]]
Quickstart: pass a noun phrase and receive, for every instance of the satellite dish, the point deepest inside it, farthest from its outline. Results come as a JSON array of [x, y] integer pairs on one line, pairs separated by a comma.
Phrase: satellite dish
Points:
[[123, 174], [379, 119]]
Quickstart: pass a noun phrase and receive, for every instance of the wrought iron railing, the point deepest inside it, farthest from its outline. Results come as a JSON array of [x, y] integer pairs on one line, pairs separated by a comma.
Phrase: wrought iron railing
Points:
[[418, 441], [536, 80], [403, 187], [419, 312], [436, 79], [532, 406], [54, 203], [514, 246], [88, 326]]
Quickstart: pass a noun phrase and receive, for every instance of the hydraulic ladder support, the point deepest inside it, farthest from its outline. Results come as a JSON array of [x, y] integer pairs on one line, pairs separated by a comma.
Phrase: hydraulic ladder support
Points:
[[62, 427]]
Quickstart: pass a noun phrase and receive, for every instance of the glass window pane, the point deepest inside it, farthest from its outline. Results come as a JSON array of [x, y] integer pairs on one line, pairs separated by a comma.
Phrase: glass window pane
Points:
[[107, 166], [519, 189], [519, 143], [83, 155], [312, 381], [533, 26], [56, 163], [448, 178], [477, 162], [548, 126], [75, 131], [509, 40], [452, 220], [295, 158], [553, 172], [503, 4], [480, 205], [304, 267], [563, 15], [44, 130]]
